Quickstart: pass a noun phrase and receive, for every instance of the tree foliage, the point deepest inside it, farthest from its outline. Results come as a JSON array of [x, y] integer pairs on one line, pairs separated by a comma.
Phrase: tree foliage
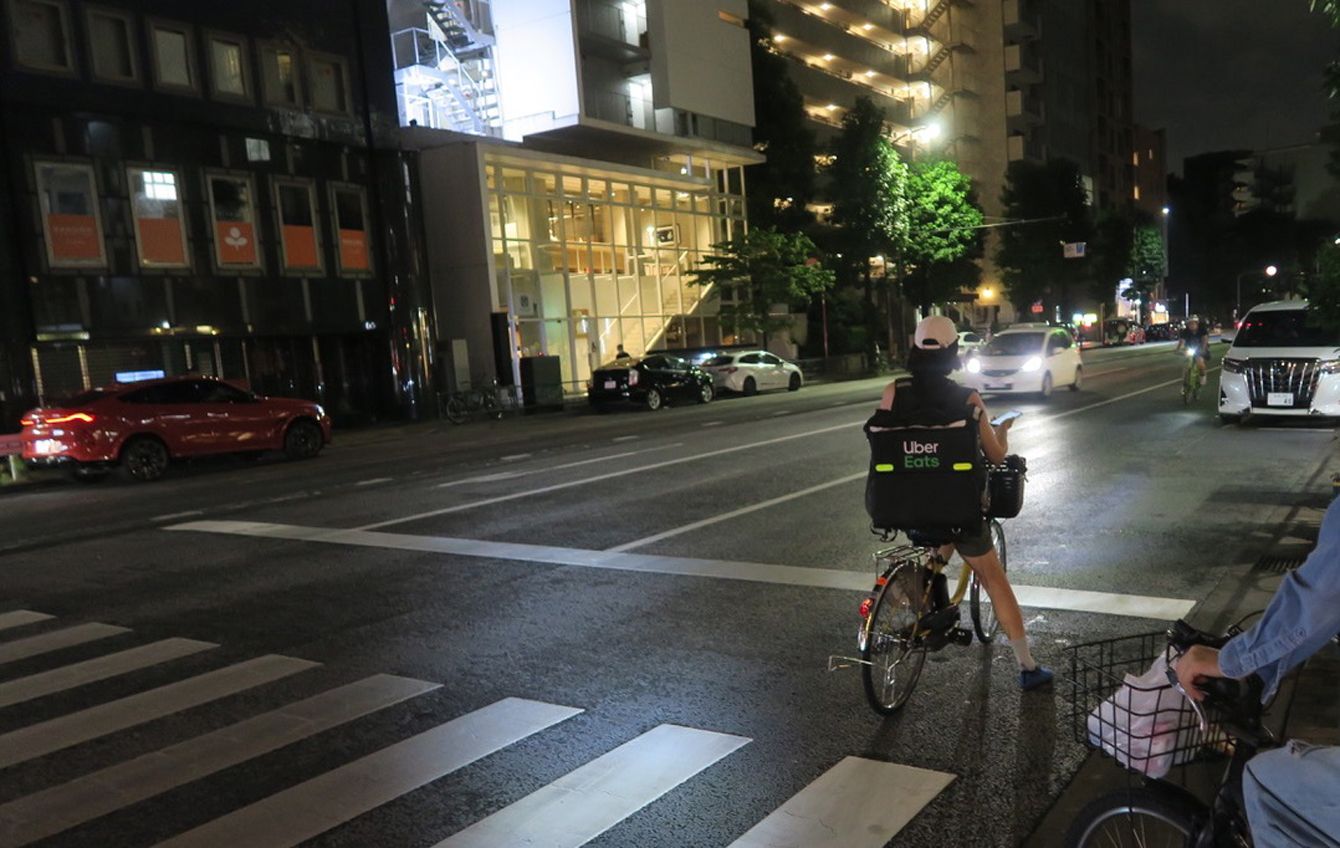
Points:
[[780, 188], [869, 182], [1324, 289], [1031, 256], [1110, 254], [760, 270], [1147, 253], [944, 227]]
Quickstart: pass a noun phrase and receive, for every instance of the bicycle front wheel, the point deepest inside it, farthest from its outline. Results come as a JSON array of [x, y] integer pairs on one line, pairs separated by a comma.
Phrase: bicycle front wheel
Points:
[[1141, 817], [457, 411], [982, 610], [893, 655]]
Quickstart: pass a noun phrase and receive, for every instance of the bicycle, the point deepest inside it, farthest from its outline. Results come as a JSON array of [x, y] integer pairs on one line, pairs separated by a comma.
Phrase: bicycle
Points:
[[1228, 724], [910, 613], [1192, 379], [457, 407]]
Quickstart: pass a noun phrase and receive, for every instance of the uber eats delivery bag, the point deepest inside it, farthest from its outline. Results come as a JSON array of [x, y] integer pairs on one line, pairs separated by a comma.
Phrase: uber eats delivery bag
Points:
[[924, 476]]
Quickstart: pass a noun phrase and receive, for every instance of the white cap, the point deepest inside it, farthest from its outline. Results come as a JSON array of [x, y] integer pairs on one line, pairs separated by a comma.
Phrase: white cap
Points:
[[935, 333]]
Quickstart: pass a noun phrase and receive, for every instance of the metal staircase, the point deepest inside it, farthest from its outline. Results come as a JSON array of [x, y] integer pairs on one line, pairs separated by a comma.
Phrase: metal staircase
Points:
[[937, 59], [445, 72], [934, 14]]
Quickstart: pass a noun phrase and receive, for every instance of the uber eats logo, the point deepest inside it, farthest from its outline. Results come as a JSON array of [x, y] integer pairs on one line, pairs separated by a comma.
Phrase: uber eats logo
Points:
[[920, 454]]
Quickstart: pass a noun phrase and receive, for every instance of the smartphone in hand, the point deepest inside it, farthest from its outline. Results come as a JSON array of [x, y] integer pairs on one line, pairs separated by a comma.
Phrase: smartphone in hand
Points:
[[1004, 417]]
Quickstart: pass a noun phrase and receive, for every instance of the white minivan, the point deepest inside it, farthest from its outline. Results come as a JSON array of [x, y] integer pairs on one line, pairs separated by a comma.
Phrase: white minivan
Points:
[[1280, 364]]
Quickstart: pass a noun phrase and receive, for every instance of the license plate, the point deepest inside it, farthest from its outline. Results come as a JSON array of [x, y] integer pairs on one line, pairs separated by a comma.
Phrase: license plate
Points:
[[1279, 399], [610, 384], [46, 446], [1003, 386]]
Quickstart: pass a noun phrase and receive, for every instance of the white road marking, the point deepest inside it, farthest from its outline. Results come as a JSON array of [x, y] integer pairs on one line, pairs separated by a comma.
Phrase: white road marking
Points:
[[484, 478], [781, 412], [18, 618], [1069, 412], [858, 803], [511, 475], [331, 799], [590, 800], [515, 456], [100, 668], [22, 649], [608, 476], [37, 740], [625, 438], [1137, 606], [735, 513], [172, 516], [374, 481], [91, 796], [713, 423]]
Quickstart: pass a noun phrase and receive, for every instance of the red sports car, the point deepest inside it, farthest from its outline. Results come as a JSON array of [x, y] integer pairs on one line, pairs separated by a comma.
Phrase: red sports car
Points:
[[141, 427]]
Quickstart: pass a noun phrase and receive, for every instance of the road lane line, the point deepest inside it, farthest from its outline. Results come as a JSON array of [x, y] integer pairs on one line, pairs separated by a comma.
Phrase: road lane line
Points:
[[19, 618], [1059, 415], [713, 423], [374, 481], [22, 649], [513, 457], [736, 513], [37, 740], [331, 799], [625, 438], [99, 793], [781, 412], [512, 475], [608, 476], [100, 668], [173, 516], [591, 799], [1137, 606], [858, 803]]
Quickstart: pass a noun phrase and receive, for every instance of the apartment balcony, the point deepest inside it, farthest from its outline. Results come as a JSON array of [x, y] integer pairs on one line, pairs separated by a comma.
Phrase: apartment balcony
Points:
[[1023, 64], [612, 30], [1022, 110], [1020, 147], [1021, 19]]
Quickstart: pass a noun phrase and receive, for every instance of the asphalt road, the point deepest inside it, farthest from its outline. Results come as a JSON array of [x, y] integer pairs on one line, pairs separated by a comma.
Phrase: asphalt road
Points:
[[662, 592]]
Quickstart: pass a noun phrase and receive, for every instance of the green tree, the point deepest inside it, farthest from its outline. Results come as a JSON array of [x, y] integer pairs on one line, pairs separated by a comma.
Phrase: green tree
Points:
[[1324, 289], [781, 188], [758, 271], [1110, 254], [1147, 254], [944, 226], [1031, 256]]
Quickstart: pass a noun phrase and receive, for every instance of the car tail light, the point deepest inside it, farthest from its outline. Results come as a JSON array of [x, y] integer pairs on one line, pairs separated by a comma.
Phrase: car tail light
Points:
[[71, 417], [632, 377], [27, 421], [865, 607]]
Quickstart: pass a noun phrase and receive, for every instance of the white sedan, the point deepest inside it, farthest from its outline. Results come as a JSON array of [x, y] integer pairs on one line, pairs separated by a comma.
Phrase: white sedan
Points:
[[1026, 360], [752, 371]]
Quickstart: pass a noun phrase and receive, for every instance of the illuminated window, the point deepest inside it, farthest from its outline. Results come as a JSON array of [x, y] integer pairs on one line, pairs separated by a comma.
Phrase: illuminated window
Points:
[[1135, 158], [112, 46], [160, 231], [41, 35], [228, 73], [279, 75], [171, 50], [735, 20], [1137, 192], [71, 222]]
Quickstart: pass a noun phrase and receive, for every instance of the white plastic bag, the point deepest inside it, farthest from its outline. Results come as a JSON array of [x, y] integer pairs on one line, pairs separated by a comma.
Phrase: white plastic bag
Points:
[[1146, 724]]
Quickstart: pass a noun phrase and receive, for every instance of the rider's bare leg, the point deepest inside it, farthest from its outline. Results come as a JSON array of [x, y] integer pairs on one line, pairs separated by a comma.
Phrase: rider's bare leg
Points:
[[997, 585]]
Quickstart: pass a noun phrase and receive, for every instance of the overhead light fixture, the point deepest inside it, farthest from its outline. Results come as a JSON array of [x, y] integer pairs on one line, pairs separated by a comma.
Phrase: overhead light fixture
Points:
[[831, 106], [779, 38], [828, 57], [870, 73], [825, 6], [867, 27]]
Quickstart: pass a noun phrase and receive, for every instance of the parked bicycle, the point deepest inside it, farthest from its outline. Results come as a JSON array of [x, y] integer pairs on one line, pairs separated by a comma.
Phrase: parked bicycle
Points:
[[458, 407], [1156, 730]]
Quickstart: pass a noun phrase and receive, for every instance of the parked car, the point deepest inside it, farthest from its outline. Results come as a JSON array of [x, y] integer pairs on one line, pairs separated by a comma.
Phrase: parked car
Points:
[[1026, 360], [752, 371], [1159, 333], [142, 427], [651, 381], [1280, 364], [969, 340]]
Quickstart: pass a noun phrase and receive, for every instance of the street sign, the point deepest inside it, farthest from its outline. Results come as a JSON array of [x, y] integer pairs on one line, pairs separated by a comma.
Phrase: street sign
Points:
[[1075, 249]]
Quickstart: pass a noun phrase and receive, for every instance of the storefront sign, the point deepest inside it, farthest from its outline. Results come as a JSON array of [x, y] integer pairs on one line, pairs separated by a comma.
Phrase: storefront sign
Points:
[[74, 238], [354, 250], [300, 247], [161, 241], [236, 243]]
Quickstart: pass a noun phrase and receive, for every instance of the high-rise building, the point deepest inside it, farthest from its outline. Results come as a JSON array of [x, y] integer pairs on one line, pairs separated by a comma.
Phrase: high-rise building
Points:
[[1150, 192], [579, 159]]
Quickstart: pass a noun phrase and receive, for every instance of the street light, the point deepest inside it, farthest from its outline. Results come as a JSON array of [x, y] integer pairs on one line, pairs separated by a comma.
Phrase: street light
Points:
[[1271, 270]]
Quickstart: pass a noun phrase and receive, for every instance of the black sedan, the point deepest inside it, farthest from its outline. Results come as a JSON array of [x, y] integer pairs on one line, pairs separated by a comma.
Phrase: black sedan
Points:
[[651, 381]]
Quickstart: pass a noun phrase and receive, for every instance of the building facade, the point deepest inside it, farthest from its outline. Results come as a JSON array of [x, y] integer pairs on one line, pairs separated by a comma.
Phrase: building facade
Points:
[[1150, 158], [567, 214], [207, 187]]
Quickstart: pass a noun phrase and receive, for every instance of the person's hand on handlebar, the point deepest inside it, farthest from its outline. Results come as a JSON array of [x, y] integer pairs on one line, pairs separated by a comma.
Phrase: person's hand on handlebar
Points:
[[1196, 664]]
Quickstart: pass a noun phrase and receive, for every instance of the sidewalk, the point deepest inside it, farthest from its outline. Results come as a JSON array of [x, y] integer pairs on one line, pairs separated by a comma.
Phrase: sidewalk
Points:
[[1308, 704]]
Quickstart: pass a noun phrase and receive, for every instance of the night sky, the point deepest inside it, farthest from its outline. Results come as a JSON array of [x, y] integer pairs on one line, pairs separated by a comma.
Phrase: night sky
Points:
[[1226, 74]]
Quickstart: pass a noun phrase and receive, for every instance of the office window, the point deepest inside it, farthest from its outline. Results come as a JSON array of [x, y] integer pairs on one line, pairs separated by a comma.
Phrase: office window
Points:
[[329, 85], [171, 48], [279, 74], [297, 226], [160, 231], [68, 196], [41, 34], [351, 229], [228, 72], [233, 213], [111, 42]]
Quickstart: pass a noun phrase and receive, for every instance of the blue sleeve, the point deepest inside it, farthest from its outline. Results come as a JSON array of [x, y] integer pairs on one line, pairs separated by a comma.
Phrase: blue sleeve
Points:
[[1302, 616]]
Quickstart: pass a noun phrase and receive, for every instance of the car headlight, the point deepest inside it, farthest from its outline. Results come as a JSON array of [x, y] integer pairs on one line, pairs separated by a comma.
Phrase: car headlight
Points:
[[1033, 364], [1327, 366], [320, 413], [1237, 366], [974, 366]]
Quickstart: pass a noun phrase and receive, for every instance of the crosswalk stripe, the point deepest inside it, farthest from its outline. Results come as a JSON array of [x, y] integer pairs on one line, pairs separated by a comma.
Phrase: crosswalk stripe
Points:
[[68, 805], [39, 739], [317, 805], [590, 800], [100, 668], [18, 618], [21, 649], [858, 803]]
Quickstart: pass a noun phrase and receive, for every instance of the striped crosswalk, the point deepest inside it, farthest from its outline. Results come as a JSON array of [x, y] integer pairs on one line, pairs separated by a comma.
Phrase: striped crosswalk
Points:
[[857, 803]]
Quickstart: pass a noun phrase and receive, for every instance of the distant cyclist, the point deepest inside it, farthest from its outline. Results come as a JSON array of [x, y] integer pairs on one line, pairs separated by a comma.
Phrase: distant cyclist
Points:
[[1196, 336]]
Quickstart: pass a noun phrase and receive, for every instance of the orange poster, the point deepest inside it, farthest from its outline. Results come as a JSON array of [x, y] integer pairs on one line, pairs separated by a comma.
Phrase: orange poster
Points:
[[161, 241], [235, 242], [74, 238], [354, 250], [300, 247]]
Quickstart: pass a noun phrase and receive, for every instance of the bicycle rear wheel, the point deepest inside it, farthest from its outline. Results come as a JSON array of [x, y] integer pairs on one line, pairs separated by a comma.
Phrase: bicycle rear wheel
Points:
[[983, 611], [893, 655], [456, 410], [1139, 817]]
